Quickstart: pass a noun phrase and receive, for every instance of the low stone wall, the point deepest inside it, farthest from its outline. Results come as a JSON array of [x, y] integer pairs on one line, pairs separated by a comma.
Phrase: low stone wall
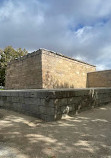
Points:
[[50, 105], [99, 79]]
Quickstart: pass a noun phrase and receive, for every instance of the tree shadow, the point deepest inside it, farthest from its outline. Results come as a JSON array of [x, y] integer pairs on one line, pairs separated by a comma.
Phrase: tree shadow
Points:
[[84, 136], [53, 82]]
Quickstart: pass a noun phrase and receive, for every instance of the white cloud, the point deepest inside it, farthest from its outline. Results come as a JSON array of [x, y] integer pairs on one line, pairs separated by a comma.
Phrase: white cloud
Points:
[[81, 58], [76, 28], [101, 67]]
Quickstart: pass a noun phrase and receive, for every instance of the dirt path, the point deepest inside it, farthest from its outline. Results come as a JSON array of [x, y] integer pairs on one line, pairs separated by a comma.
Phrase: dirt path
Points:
[[87, 135]]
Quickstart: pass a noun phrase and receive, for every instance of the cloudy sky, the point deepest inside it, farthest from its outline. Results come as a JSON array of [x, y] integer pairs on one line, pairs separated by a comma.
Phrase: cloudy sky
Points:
[[76, 28]]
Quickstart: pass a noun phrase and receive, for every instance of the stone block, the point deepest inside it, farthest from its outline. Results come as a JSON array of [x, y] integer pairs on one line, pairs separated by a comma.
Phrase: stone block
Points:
[[35, 101], [1, 103], [73, 100], [15, 99], [60, 102], [42, 109]]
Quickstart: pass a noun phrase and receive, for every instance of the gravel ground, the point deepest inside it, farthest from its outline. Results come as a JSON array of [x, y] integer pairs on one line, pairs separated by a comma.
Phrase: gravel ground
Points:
[[87, 135]]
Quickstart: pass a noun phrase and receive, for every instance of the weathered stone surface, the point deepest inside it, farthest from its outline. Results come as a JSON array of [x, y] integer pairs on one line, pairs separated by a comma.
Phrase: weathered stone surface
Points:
[[99, 79], [45, 69], [25, 73], [49, 106], [59, 71]]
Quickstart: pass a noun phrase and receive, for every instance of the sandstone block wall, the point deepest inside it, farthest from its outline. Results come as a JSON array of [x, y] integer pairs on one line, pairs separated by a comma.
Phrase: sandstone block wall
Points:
[[59, 71], [25, 73], [47, 69], [99, 79], [50, 105]]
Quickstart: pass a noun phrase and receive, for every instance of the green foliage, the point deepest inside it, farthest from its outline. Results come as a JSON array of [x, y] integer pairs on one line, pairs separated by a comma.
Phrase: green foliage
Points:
[[8, 54]]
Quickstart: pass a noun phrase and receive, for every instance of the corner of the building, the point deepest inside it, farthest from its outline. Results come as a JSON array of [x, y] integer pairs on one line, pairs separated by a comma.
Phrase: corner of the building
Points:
[[41, 53]]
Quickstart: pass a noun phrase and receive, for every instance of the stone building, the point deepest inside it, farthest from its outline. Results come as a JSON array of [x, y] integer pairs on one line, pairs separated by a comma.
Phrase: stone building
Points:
[[44, 69]]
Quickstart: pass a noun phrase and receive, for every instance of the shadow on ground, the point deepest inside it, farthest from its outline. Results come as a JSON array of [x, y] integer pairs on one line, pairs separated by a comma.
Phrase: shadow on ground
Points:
[[87, 135]]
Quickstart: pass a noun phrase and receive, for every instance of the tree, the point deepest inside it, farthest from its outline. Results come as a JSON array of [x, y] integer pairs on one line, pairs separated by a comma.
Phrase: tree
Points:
[[6, 55]]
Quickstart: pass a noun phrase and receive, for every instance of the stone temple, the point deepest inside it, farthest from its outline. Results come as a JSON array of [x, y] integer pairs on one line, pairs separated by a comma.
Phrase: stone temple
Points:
[[44, 69]]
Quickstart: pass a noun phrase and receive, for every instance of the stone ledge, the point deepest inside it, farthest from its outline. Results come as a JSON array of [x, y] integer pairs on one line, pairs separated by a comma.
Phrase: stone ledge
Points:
[[51, 104]]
